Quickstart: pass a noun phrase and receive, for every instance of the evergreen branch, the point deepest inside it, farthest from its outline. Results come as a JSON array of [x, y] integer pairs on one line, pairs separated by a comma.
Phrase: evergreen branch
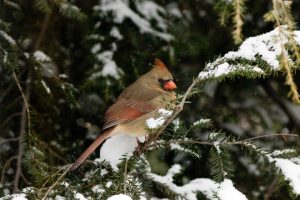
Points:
[[234, 142], [238, 20], [57, 181], [279, 10]]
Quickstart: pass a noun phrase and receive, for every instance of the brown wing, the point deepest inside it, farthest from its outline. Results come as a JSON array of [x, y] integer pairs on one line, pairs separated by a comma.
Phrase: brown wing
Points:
[[129, 106]]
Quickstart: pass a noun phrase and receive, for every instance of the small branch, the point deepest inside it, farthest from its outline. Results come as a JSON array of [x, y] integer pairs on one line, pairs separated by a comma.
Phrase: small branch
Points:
[[56, 182], [182, 141], [125, 174], [43, 30], [4, 167], [9, 118], [25, 116], [4, 140]]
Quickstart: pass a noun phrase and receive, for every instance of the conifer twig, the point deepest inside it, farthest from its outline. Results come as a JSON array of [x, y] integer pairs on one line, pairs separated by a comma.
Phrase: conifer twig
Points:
[[56, 182]]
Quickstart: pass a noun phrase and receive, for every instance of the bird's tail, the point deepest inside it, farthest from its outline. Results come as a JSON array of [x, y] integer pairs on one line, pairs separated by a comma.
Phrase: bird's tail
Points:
[[99, 140]]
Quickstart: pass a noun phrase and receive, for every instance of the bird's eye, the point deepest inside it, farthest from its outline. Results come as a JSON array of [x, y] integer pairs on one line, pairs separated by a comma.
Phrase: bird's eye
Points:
[[161, 81]]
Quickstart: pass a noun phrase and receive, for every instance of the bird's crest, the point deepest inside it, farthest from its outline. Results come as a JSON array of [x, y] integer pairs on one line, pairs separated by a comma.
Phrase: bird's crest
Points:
[[159, 64]]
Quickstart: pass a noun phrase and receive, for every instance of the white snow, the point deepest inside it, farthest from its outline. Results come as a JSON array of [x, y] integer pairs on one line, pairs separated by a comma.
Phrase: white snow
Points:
[[110, 67], [152, 123], [226, 191], [41, 56], [120, 197], [8, 38], [120, 10], [115, 147], [178, 147], [211, 189], [108, 184], [155, 123], [98, 189], [79, 196], [201, 121], [267, 46], [15, 197], [291, 172], [58, 197], [151, 10], [216, 145], [96, 48], [165, 113], [116, 33], [173, 10], [46, 87]]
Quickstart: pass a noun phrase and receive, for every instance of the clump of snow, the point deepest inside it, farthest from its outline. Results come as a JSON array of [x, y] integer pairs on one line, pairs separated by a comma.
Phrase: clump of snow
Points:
[[46, 87], [267, 46], [21, 196], [108, 184], [201, 122], [226, 191], [211, 189], [173, 10], [47, 67], [110, 67], [151, 10], [41, 56], [121, 10], [79, 196], [96, 48], [155, 123], [98, 189], [165, 113], [8, 38], [178, 147], [125, 145], [116, 33], [217, 146], [120, 197], [219, 70], [152, 123], [290, 170], [58, 197]]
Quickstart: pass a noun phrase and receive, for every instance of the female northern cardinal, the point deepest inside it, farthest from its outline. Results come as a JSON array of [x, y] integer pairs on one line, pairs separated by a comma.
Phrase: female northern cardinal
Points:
[[137, 103]]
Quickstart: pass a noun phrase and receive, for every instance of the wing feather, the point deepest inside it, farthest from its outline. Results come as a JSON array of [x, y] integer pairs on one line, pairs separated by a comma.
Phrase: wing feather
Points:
[[129, 107]]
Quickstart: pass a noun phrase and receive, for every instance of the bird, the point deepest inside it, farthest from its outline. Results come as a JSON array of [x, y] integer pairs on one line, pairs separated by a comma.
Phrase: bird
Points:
[[138, 102]]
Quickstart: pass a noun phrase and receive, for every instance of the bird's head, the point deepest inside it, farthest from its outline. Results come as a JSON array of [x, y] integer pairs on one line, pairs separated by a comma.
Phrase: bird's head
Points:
[[160, 77]]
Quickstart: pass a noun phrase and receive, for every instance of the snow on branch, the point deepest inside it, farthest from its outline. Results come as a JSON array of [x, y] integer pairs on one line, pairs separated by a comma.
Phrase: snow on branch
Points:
[[257, 56], [211, 189], [289, 168], [8, 38], [121, 11]]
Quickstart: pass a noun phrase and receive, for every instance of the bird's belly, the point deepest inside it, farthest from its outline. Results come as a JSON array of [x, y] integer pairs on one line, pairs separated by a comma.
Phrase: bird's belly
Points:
[[133, 128]]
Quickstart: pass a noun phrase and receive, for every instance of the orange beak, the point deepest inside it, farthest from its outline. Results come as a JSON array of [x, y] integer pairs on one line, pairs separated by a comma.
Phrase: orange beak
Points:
[[170, 85]]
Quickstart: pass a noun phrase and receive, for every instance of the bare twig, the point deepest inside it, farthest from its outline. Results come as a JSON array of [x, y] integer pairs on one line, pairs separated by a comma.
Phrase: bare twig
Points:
[[25, 117], [4, 167], [4, 140], [9, 118]]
